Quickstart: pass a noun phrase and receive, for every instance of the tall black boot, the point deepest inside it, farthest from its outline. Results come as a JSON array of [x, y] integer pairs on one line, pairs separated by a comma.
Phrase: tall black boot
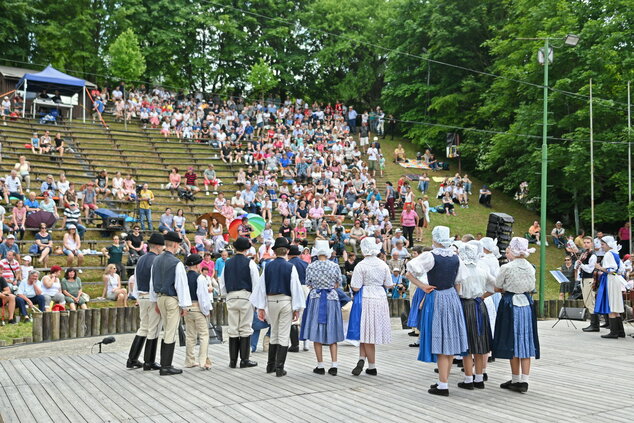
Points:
[[594, 324], [245, 350], [614, 329], [294, 339], [234, 346], [607, 321], [135, 352], [280, 360], [167, 355], [149, 355], [621, 329], [270, 365]]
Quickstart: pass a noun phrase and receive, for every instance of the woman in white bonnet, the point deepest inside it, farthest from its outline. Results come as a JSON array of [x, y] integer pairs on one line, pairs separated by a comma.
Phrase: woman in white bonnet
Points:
[[370, 320], [609, 298], [442, 324], [516, 323]]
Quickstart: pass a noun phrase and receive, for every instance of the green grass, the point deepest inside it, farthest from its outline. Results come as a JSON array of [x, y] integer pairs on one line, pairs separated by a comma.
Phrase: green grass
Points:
[[10, 332], [474, 219]]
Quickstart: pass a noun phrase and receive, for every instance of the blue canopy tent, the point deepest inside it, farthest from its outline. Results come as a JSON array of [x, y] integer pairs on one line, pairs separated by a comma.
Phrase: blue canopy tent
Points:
[[52, 79]]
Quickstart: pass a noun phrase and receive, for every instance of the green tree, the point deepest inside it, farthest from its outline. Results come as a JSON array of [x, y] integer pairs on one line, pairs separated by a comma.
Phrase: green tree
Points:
[[125, 59], [261, 78]]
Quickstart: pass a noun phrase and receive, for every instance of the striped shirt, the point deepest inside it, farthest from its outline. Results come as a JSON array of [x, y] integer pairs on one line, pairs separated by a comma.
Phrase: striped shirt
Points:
[[72, 216], [9, 270]]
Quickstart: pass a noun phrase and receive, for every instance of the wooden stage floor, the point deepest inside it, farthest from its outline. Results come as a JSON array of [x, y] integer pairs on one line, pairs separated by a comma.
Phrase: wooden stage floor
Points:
[[581, 377]]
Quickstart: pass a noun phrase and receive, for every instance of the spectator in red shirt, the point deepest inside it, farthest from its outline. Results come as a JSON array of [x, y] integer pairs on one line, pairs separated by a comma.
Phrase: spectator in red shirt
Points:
[[409, 220], [191, 183]]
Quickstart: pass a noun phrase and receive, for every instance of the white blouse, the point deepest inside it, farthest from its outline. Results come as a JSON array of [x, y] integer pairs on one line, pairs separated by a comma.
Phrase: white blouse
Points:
[[374, 275], [517, 276], [424, 262], [478, 280]]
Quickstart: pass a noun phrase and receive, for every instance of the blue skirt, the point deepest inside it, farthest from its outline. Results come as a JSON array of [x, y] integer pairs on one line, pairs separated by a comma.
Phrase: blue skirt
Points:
[[515, 330], [323, 333], [602, 302], [414, 311], [443, 328]]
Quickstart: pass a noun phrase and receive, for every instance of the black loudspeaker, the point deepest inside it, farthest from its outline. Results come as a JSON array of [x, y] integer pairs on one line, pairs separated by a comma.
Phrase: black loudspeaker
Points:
[[500, 227], [572, 313], [114, 223]]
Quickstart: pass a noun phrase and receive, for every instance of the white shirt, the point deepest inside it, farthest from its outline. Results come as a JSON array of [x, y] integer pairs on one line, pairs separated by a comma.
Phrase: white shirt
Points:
[[253, 271], [13, 184], [202, 292], [180, 284], [259, 299]]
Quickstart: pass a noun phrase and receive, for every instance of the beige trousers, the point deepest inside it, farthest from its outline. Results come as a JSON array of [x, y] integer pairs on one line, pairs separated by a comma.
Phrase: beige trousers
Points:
[[150, 320], [196, 327], [170, 316], [280, 318], [588, 294], [240, 314]]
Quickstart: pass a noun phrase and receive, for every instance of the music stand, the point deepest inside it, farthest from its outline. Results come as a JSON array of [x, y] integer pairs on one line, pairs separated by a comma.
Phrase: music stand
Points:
[[561, 278]]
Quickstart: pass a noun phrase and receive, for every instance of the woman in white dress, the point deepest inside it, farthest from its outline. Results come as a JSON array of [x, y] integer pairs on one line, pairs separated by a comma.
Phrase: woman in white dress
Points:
[[370, 315], [609, 298]]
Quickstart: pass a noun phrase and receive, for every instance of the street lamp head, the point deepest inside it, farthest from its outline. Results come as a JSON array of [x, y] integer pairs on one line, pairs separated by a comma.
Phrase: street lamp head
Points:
[[571, 40]]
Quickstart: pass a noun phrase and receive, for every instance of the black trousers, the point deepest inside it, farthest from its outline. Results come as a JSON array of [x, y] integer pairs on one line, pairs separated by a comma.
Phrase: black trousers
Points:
[[408, 232]]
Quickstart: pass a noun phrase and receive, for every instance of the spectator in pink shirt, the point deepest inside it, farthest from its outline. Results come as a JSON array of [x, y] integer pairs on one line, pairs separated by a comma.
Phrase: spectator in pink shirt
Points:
[[409, 220]]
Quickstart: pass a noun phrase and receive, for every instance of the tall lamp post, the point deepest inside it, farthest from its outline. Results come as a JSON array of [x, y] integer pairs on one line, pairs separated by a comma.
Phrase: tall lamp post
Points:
[[544, 56]]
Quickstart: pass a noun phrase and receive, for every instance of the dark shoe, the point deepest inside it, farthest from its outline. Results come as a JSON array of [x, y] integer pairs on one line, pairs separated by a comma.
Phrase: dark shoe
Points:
[[234, 347], [441, 392], [520, 387], [458, 362], [294, 339], [371, 372], [412, 333], [614, 330], [414, 345], [149, 355], [359, 368], [619, 326], [167, 355], [485, 377], [245, 350], [606, 323], [332, 371], [270, 364], [280, 360], [506, 385], [594, 324], [135, 352], [491, 359], [478, 385], [13, 322], [436, 370], [319, 370], [465, 385]]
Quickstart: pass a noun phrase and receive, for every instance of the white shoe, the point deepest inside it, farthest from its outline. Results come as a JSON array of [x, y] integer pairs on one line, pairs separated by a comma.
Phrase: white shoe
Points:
[[546, 244], [538, 243], [80, 271], [207, 193]]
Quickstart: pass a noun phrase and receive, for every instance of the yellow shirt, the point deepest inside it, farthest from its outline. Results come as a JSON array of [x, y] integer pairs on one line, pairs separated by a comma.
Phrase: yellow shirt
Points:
[[144, 199]]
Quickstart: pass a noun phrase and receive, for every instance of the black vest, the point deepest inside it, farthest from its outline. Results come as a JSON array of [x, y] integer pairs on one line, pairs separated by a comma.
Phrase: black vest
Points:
[[277, 276], [301, 266], [586, 275], [443, 274], [237, 273], [142, 271], [192, 281], [163, 274]]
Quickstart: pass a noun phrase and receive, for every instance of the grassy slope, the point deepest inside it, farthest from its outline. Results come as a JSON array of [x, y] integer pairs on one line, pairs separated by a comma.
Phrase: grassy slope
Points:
[[475, 218]]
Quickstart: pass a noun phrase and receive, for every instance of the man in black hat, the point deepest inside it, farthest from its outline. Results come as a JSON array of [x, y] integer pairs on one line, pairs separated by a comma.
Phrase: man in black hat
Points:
[[196, 324], [279, 297], [150, 320], [236, 282], [300, 265], [170, 290]]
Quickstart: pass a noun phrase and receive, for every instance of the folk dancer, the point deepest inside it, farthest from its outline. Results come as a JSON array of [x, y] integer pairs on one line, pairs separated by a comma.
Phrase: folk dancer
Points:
[[323, 322], [150, 319], [370, 314], [300, 265], [609, 298], [196, 319], [516, 322], [170, 290], [442, 324], [586, 266], [477, 284], [279, 297], [490, 258], [239, 277], [417, 295]]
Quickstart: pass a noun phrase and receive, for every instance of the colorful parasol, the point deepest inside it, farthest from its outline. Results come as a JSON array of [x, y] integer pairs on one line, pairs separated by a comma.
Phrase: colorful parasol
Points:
[[256, 221]]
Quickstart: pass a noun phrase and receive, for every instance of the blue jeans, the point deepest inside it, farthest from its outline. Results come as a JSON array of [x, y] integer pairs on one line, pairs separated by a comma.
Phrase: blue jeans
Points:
[[558, 242], [146, 215], [422, 186], [37, 300]]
